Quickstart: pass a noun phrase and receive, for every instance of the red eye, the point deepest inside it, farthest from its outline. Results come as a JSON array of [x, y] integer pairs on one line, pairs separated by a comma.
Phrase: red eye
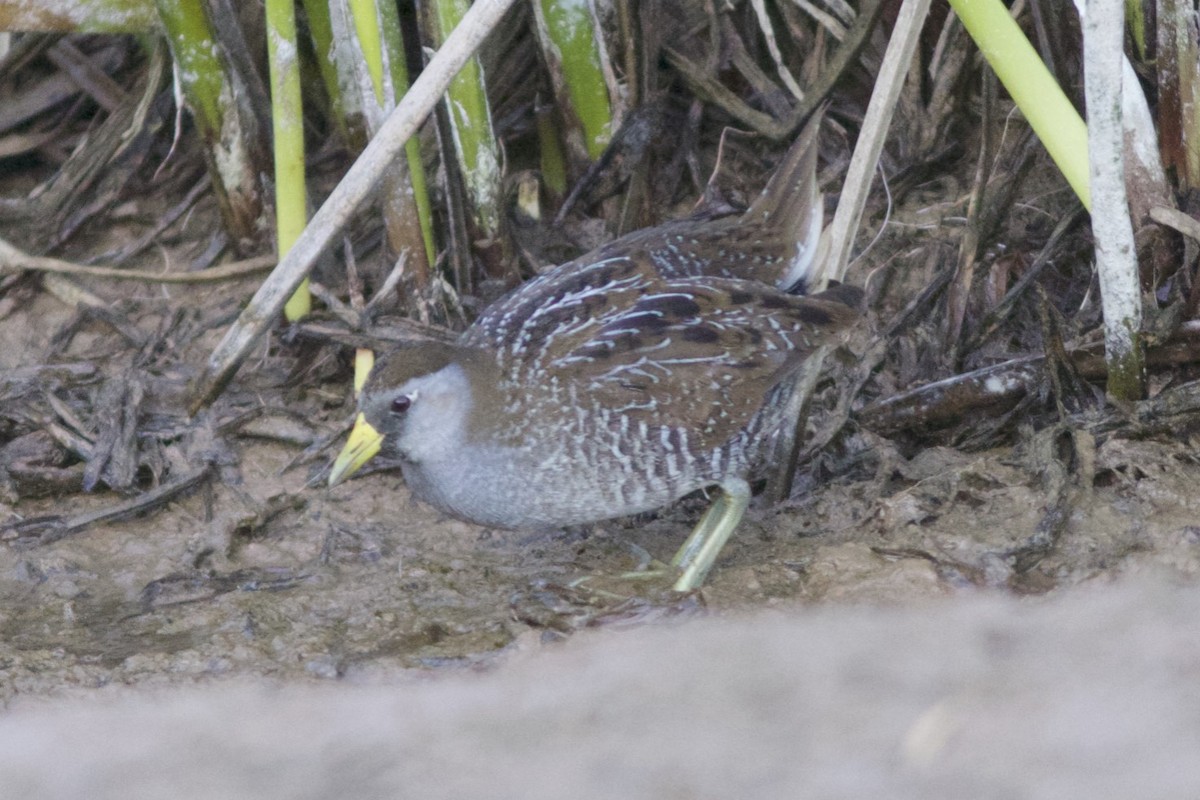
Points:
[[401, 404]]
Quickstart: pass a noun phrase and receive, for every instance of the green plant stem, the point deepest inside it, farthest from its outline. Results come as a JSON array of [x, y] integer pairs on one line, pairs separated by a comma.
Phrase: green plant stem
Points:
[[471, 122], [231, 159], [1036, 93], [369, 55], [287, 117], [568, 34], [200, 72]]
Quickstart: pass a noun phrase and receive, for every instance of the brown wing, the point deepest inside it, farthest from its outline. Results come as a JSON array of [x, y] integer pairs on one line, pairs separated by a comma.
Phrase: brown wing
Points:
[[699, 353], [558, 306]]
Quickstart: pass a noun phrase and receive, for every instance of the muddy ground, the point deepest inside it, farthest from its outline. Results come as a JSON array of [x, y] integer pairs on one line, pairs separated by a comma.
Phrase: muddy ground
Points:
[[256, 574]]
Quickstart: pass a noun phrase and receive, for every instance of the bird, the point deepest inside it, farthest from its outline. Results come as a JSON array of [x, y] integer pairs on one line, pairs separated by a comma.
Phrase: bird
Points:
[[657, 365]]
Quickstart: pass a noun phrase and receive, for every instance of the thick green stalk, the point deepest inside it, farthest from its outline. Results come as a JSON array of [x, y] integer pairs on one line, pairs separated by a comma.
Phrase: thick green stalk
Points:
[[1033, 88], [370, 42], [369, 55], [471, 123], [578, 67], [211, 99], [199, 68], [287, 117]]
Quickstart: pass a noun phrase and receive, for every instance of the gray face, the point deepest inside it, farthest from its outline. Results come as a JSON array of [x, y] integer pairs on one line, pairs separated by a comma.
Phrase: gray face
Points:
[[420, 401]]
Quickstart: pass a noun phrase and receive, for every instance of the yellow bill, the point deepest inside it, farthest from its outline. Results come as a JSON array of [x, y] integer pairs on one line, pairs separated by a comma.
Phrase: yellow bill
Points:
[[361, 447]]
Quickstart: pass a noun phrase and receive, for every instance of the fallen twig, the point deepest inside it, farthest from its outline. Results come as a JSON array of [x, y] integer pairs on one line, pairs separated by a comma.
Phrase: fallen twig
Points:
[[892, 73], [44, 530], [14, 260]]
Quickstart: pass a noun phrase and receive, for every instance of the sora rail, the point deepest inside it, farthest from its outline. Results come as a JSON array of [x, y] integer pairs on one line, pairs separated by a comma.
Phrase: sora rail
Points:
[[617, 383]]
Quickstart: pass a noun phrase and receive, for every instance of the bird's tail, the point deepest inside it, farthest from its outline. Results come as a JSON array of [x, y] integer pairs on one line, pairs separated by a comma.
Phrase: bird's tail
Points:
[[791, 203]]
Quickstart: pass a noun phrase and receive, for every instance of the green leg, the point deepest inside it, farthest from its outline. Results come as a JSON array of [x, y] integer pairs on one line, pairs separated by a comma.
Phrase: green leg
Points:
[[701, 549]]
